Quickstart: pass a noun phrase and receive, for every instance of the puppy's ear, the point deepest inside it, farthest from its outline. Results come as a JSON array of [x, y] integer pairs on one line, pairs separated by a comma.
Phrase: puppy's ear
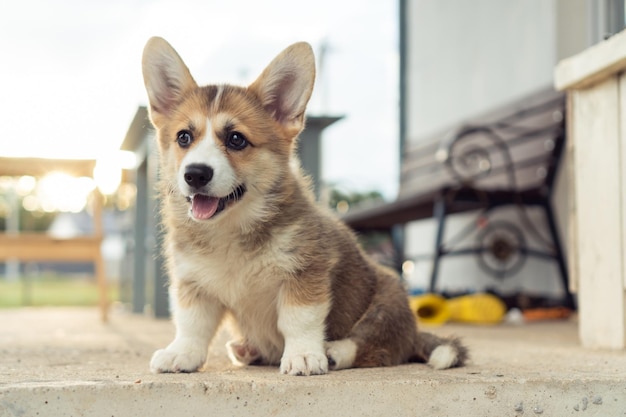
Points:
[[166, 77], [286, 84]]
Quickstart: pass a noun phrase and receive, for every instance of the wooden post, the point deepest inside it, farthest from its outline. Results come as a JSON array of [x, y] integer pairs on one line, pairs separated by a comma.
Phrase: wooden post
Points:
[[596, 86], [99, 269]]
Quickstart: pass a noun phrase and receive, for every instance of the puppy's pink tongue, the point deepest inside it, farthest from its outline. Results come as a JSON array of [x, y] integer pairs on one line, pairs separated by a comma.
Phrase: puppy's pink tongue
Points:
[[203, 206]]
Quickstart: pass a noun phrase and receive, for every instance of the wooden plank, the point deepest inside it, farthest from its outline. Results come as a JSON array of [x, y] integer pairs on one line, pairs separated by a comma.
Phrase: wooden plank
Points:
[[598, 200], [606, 59], [39, 167], [622, 177], [572, 243], [35, 247], [527, 133]]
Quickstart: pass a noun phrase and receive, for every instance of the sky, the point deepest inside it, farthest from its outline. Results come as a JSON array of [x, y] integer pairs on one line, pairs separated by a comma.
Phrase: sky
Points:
[[70, 72]]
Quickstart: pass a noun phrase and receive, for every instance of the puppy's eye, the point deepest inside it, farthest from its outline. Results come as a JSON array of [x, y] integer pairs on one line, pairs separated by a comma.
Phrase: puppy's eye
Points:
[[236, 141], [184, 138]]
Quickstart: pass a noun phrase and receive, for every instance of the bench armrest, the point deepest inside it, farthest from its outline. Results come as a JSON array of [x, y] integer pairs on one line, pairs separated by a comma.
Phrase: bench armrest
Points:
[[472, 152]]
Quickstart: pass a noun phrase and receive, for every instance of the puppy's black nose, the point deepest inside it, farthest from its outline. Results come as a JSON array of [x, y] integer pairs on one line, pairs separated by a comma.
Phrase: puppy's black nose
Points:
[[198, 175]]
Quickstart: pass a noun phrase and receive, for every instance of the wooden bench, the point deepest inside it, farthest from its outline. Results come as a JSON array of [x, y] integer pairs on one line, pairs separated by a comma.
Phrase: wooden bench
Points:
[[506, 158], [31, 247]]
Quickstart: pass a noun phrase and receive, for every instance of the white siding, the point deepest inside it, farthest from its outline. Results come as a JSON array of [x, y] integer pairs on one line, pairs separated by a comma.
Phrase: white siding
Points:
[[466, 57]]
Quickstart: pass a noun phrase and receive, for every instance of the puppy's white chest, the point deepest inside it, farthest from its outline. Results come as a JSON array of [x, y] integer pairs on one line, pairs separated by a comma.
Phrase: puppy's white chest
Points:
[[232, 275]]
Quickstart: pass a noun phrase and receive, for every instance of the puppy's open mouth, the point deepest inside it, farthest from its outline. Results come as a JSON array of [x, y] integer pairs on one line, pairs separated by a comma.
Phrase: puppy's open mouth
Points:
[[204, 206]]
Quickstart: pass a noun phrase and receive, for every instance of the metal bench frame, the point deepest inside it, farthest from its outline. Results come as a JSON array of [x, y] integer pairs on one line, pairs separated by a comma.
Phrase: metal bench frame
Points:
[[464, 169]]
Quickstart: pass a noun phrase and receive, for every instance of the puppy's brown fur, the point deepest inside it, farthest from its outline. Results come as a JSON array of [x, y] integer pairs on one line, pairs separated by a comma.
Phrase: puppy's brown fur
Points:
[[245, 236]]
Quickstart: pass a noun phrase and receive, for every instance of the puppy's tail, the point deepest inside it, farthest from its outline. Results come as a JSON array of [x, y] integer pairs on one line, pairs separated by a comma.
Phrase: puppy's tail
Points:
[[439, 352]]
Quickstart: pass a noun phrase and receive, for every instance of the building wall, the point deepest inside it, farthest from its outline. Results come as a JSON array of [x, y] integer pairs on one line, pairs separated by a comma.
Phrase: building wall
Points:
[[465, 58]]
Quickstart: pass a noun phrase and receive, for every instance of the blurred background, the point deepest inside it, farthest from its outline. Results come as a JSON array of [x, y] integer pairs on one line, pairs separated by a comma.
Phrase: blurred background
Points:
[[391, 74]]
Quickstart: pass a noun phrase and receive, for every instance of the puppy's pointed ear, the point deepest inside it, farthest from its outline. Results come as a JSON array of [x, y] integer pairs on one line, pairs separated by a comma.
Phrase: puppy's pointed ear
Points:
[[286, 84], [165, 75]]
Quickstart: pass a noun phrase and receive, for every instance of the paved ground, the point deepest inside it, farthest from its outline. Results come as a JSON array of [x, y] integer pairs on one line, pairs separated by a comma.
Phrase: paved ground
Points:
[[63, 361]]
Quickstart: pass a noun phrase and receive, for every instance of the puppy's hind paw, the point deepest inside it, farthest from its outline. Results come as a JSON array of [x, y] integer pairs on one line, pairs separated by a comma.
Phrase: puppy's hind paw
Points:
[[242, 353], [341, 353]]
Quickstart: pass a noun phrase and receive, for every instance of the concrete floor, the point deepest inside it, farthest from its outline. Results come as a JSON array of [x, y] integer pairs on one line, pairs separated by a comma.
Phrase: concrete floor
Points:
[[64, 362]]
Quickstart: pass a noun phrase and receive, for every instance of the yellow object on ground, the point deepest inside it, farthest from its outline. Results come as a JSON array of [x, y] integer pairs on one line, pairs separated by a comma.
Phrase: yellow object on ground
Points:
[[430, 308], [474, 308]]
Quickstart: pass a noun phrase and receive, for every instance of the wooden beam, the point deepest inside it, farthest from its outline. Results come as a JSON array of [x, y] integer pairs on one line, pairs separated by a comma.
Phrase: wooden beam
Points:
[[38, 167], [40, 247], [593, 65]]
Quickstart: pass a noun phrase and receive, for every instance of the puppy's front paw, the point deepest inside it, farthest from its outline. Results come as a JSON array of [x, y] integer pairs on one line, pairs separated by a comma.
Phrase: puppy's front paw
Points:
[[304, 364], [172, 359]]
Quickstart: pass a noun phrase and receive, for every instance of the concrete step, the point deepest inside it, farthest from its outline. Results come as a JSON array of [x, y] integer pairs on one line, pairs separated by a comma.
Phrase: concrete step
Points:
[[63, 362]]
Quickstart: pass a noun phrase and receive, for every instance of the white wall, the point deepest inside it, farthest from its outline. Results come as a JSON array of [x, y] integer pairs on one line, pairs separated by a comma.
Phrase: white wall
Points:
[[469, 57], [465, 57]]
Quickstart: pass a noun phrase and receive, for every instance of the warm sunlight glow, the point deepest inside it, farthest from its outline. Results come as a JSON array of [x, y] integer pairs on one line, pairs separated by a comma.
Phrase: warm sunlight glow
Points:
[[61, 192], [127, 159], [108, 173], [25, 185]]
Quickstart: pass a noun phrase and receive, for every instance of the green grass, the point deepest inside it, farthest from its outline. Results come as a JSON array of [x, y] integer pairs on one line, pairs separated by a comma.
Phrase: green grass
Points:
[[51, 291]]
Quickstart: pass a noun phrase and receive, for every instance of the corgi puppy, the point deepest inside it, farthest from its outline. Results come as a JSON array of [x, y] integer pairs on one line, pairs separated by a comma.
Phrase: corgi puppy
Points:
[[245, 237]]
